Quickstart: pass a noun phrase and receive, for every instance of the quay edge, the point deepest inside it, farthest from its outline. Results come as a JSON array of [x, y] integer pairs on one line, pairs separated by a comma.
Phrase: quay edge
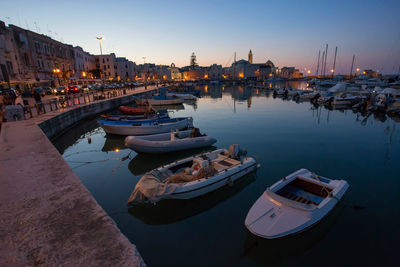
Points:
[[47, 216]]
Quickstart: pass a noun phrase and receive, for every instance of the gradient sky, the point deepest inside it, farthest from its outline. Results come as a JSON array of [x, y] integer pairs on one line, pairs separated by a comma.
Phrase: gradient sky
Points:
[[290, 33]]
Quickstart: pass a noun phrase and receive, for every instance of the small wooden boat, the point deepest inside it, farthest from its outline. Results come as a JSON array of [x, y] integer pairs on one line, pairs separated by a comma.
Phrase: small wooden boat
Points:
[[293, 204], [168, 142], [145, 127], [193, 176], [134, 110]]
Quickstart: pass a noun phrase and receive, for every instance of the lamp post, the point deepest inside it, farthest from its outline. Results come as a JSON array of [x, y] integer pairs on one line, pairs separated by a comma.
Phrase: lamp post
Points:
[[100, 38]]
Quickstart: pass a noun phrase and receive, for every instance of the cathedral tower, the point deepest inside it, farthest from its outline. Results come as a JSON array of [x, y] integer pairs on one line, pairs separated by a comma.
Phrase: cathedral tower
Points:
[[250, 57]]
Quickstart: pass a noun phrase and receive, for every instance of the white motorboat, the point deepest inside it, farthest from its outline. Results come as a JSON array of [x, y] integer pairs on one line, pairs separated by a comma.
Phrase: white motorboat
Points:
[[346, 100], [307, 95], [193, 176], [293, 204], [168, 142], [146, 127]]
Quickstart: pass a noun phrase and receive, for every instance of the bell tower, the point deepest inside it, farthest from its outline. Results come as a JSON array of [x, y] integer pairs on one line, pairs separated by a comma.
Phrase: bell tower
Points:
[[250, 57]]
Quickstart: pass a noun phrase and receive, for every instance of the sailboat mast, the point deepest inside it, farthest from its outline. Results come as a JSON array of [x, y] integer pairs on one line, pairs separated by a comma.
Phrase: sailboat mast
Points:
[[326, 55], [334, 63], [319, 53], [322, 62], [352, 65], [234, 66]]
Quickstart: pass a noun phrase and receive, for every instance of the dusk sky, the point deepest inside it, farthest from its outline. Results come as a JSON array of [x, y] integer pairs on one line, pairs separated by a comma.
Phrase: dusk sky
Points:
[[290, 33]]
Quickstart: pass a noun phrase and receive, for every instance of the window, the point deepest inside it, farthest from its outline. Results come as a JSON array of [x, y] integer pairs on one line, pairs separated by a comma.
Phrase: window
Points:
[[103, 60], [107, 60], [104, 67], [108, 66]]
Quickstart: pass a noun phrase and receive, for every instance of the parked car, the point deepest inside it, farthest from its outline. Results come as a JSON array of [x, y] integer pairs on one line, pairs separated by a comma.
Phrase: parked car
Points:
[[47, 90], [61, 90], [40, 91], [73, 89]]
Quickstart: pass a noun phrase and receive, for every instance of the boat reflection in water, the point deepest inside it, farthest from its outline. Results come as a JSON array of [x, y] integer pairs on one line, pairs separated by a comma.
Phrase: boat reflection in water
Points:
[[274, 251], [172, 210], [113, 142], [143, 163]]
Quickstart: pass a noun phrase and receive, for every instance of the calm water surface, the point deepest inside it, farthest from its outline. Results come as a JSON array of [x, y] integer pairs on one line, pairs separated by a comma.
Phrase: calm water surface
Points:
[[284, 136]]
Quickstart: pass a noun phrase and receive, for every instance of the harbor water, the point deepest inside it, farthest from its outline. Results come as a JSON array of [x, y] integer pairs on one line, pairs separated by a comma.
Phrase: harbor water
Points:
[[283, 136]]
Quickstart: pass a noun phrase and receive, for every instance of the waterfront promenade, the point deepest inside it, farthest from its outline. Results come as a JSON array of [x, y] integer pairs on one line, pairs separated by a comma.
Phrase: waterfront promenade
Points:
[[47, 215]]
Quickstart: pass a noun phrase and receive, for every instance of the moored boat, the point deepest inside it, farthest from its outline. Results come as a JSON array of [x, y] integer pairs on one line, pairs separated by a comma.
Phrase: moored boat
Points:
[[163, 100], [168, 142], [134, 110], [183, 96], [145, 127], [293, 204], [194, 176], [135, 117]]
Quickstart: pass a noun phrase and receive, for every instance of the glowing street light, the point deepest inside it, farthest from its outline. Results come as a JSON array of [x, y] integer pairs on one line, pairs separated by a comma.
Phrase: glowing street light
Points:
[[309, 71], [100, 38], [83, 74], [358, 69]]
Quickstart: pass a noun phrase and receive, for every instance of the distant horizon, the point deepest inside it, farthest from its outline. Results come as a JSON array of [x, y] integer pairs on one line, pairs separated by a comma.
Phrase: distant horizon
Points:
[[289, 34]]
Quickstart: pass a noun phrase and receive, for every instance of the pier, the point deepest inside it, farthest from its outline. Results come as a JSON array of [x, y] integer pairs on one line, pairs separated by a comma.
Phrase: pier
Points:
[[47, 215]]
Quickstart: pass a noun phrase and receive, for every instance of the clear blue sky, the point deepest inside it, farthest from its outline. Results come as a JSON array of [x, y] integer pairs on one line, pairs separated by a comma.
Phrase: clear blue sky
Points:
[[290, 33]]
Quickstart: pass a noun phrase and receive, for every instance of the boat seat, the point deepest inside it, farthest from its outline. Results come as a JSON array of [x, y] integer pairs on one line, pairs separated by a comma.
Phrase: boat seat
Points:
[[297, 198]]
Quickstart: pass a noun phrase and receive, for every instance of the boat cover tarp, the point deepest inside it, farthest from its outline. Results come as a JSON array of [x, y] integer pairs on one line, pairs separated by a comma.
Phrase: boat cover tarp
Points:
[[150, 189]]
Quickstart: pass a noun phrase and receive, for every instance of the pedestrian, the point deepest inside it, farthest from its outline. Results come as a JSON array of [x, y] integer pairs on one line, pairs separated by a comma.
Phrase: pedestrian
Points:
[[38, 100]]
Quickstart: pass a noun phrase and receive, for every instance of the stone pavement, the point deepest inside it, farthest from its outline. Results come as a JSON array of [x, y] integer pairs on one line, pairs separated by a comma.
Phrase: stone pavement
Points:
[[47, 216]]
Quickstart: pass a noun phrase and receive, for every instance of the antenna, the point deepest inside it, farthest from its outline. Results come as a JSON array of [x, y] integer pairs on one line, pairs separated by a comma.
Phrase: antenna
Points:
[[100, 38]]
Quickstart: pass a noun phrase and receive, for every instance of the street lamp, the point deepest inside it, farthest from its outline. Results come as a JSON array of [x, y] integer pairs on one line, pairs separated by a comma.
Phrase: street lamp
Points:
[[100, 38]]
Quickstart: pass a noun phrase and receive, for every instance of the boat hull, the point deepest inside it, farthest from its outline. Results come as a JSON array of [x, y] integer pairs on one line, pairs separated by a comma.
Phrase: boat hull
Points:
[[159, 146]]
